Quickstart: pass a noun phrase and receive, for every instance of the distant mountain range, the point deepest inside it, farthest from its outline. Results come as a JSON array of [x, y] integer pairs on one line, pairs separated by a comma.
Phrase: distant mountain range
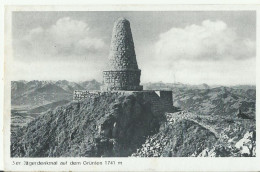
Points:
[[38, 96], [216, 101], [37, 93], [211, 100], [170, 86]]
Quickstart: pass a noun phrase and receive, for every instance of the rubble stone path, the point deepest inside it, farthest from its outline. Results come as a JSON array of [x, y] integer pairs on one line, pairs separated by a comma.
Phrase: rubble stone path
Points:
[[173, 117]]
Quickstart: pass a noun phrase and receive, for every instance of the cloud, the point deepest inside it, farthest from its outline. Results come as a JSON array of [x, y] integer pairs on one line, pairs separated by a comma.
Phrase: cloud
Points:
[[211, 53], [210, 41], [67, 37]]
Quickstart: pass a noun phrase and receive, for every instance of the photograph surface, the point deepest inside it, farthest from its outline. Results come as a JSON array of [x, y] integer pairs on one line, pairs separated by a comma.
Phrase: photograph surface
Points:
[[133, 84]]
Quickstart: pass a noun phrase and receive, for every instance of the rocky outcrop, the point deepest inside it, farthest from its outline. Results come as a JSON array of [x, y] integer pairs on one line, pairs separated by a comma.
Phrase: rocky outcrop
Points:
[[247, 145], [178, 138], [187, 134], [242, 115], [215, 151]]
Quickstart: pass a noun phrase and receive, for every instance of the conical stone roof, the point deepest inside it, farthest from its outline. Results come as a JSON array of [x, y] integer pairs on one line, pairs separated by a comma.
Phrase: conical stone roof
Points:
[[122, 72], [122, 52]]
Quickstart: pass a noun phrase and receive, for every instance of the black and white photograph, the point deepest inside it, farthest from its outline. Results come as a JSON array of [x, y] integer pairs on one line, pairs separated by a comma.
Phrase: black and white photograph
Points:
[[133, 84]]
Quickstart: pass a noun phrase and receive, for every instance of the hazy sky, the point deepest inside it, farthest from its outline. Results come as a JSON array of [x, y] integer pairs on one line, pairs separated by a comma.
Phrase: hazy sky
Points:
[[192, 47]]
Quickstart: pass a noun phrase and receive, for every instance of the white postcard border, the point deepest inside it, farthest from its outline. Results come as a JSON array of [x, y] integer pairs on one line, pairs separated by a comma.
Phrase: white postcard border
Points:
[[129, 164]]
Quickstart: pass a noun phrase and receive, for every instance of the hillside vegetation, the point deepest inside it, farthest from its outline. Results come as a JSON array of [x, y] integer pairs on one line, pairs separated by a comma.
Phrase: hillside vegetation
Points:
[[109, 125]]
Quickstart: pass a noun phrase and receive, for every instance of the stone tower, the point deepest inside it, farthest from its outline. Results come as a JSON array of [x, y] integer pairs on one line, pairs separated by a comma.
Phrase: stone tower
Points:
[[122, 72]]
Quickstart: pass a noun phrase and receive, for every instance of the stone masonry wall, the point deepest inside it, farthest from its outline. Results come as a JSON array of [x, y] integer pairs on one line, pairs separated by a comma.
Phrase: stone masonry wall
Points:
[[85, 94], [166, 98], [160, 102], [122, 80]]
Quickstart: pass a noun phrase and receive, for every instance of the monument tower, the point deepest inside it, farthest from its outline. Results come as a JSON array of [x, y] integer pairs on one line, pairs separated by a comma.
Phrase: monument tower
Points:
[[123, 75], [122, 72]]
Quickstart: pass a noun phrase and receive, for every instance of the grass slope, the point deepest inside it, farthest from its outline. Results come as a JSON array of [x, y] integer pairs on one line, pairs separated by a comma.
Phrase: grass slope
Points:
[[109, 125]]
